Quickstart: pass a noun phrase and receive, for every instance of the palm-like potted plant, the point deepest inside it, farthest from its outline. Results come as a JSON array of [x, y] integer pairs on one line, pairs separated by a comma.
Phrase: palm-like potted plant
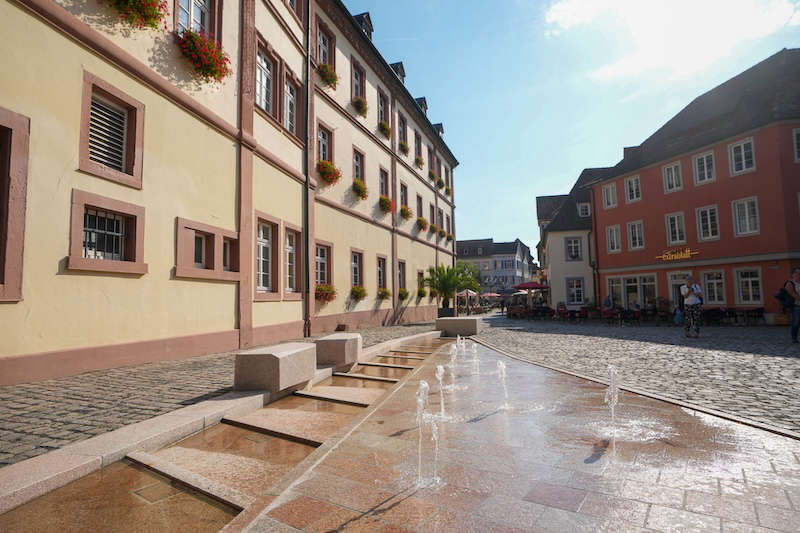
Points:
[[405, 212], [386, 203], [328, 75], [403, 147], [360, 105], [422, 223], [385, 128], [447, 280], [421, 292], [360, 188], [439, 183]]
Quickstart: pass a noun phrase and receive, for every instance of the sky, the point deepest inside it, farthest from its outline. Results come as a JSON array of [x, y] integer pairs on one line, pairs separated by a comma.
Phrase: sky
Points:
[[532, 92]]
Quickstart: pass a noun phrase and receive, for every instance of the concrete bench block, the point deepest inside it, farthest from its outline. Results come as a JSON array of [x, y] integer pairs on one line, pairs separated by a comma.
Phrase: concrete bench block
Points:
[[464, 326], [275, 368], [339, 349]]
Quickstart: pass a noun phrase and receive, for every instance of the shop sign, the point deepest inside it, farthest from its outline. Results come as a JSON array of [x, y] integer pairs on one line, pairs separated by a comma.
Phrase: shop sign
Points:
[[677, 255]]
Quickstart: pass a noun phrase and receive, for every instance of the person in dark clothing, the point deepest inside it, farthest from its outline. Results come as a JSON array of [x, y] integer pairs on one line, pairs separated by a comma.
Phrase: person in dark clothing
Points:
[[792, 286]]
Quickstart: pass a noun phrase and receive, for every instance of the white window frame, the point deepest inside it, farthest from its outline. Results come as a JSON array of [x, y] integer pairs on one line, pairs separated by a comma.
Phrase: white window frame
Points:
[[582, 289], [617, 239], [189, 6], [321, 265], [290, 108], [264, 242], [706, 298], [323, 48], [380, 269], [588, 209], [356, 276], [356, 81], [676, 175], [633, 179], [736, 277], [567, 256], [629, 226], [796, 139], [202, 237], [609, 194], [736, 231], [732, 147], [290, 254], [358, 165], [324, 144], [704, 156], [698, 216], [265, 72], [678, 215]]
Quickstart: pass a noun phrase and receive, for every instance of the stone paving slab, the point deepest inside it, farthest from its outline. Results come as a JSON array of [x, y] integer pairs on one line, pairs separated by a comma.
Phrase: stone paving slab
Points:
[[749, 372], [39, 417]]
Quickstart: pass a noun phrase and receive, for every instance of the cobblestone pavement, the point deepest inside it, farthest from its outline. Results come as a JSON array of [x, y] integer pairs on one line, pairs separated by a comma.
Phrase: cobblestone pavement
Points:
[[752, 372], [36, 418]]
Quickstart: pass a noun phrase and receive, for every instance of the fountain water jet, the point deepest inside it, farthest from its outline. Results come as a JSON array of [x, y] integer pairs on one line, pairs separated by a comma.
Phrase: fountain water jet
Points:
[[422, 402], [612, 396], [501, 374], [439, 377], [435, 438]]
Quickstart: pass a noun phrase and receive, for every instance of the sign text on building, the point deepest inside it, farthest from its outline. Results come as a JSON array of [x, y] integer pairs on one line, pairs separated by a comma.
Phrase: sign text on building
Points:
[[676, 255]]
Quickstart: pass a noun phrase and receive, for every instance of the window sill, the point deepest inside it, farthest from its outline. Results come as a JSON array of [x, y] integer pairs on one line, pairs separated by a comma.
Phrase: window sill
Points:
[[292, 296], [264, 296], [104, 265], [739, 173], [704, 182], [205, 273], [751, 234], [102, 171]]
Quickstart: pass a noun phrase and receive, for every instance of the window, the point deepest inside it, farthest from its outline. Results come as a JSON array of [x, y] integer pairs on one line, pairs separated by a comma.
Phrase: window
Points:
[[419, 205], [430, 158], [324, 144], [609, 196], [633, 189], [613, 240], [447, 177], [438, 165], [402, 128], [707, 223], [748, 284], [574, 248], [507, 264], [384, 182], [704, 168], [14, 146], [745, 216], [796, 137], [583, 210], [401, 274], [291, 254], [615, 291], [196, 15], [628, 292], [742, 157], [290, 108], [676, 230], [265, 82], [714, 287], [672, 177], [359, 80], [447, 223], [383, 115], [440, 218], [324, 47], [381, 272], [574, 291], [417, 144], [106, 235], [267, 257], [112, 126], [200, 250], [635, 235], [403, 194], [323, 264], [356, 262], [433, 214], [358, 165], [480, 250], [227, 247]]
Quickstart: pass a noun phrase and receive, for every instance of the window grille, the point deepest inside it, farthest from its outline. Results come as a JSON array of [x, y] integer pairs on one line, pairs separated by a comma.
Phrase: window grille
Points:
[[108, 125], [103, 235]]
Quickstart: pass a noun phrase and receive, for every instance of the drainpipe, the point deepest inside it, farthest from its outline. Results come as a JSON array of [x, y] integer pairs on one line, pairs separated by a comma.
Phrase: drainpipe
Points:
[[307, 301]]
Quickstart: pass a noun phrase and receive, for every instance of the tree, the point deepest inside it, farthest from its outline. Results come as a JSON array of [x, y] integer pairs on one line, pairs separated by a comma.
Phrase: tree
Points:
[[448, 280]]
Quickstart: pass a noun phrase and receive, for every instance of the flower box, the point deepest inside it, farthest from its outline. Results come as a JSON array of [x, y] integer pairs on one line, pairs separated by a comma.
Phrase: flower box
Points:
[[358, 293], [386, 203], [432, 175], [328, 172], [448, 191], [442, 233], [421, 293], [422, 224], [324, 293], [384, 293], [360, 189], [385, 128], [433, 293], [434, 228], [328, 75], [439, 183], [405, 212], [449, 237], [142, 13], [360, 105], [403, 147], [402, 294], [209, 60], [419, 162]]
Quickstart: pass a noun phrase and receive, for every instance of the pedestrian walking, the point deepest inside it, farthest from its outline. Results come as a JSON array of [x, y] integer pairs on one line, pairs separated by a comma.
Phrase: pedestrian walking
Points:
[[692, 304], [792, 286]]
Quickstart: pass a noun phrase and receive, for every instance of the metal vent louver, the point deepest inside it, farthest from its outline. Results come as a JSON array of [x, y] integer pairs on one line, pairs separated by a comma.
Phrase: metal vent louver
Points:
[[107, 133]]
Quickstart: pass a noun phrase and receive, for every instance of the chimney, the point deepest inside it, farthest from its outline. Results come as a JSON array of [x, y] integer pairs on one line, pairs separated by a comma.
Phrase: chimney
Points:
[[439, 127], [399, 70], [365, 23], [423, 104], [631, 151]]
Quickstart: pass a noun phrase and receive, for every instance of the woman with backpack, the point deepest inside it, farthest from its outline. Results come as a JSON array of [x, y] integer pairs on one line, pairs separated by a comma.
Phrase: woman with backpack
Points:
[[692, 304], [792, 286]]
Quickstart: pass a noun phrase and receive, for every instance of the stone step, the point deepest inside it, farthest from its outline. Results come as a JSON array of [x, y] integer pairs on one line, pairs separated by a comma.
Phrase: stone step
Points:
[[364, 376], [410, 351], [410, 357], [347, 395], [386, 365], [307, 427]]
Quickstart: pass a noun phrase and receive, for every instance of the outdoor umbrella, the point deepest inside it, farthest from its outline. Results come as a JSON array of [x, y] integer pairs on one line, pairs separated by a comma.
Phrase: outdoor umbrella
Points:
[[531, 285]]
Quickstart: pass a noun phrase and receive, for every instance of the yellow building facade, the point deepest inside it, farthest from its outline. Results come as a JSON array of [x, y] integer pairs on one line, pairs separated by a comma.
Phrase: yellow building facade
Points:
[[147, 215]]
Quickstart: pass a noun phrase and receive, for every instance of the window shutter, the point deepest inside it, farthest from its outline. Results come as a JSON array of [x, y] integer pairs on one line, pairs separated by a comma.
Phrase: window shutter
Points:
[[107, 134]]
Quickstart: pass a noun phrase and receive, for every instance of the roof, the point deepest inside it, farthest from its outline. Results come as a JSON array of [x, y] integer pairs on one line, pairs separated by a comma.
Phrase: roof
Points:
[[546, 206], [766, 92], [567, 217], [469, 248]]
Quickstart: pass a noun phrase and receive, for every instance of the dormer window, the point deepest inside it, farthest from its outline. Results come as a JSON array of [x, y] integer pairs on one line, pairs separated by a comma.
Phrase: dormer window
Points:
[[583, 210]]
